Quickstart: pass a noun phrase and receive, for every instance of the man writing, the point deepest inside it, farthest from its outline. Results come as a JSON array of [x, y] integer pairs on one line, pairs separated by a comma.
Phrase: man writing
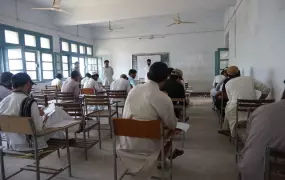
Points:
[[108, 73], [93, 83], [71, 85]]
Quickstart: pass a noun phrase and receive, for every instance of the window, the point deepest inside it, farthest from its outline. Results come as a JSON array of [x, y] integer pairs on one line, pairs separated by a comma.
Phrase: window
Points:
[[73, 61], [15, 60], [89, 50], [82, 65], [45, 43], [82, 49], [64, 46], [47, 66], [11, 37], [64, 66], [92, 65], [31, 65], [74, 48], [30, 40]]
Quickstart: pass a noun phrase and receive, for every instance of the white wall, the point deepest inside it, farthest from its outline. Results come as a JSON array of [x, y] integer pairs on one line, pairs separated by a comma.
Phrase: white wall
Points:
[[40, 21], [259, 47]]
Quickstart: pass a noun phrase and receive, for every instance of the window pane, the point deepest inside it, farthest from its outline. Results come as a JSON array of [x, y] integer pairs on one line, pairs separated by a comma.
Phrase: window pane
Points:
[[65, 74], [11, 37], [30, 56], [47, 66], [74, 60], [64, 59], [82, 49], [64, 46], [58, 67], [45, 43], [82, 67], [30, 40], [65, 67], [89, 50], [14, 54], [33, 74], [15, 72], [15, 64], [46, 57], [31, 66], [74, 48], [47, 75]]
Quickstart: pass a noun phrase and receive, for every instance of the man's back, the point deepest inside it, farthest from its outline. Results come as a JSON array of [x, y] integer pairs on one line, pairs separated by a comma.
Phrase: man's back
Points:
[[4, 92], [71, 86], [56, 82], [174, 89], [120, 85]]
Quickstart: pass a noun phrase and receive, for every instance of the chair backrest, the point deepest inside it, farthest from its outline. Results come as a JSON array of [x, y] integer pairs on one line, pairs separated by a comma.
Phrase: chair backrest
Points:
[[274, 164], [41, 100], [88, 91], [96, 100], [136, 128], [17, 124], [51, 87], [117, 94], [65, 96], [73, 109]]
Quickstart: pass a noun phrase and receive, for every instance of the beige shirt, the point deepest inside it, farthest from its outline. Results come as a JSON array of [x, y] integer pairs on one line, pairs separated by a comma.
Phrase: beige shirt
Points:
[[56, 82], [71, 86]]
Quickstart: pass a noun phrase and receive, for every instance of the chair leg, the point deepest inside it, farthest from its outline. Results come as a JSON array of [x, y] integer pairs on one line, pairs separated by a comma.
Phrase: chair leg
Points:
[[2, 164], [171, 161], [111, 132], [37, 159], [237, 149], [68, 152], [58, 153], [85, 147], [99, 133]]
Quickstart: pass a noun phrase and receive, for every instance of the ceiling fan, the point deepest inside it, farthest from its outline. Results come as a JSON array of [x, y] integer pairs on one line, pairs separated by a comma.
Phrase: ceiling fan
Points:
[[55, 7], [110, 28], [177, 21]]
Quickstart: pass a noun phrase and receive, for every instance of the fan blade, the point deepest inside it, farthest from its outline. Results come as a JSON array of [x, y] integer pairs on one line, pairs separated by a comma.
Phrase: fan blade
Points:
[[47, 9], [186, 22], [56, 3], [171, 24], [63, 11]]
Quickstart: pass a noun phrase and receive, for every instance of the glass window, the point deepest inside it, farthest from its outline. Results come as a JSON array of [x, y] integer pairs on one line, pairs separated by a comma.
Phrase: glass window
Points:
[[74, 48], [15, 60], [11, 37], [82, 49], [30, 40], [64, 46], [89, 50], [31, 65], [45, 43], [14, 54], [65, 68], [47, 66], [82, 65], [92, 65]]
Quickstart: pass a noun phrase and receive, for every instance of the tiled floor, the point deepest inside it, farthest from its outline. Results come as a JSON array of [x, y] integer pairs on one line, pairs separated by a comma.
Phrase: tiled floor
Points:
[[208, 155]]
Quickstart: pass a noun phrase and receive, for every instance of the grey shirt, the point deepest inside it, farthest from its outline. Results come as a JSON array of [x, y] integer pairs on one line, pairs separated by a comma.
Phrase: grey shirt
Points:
[[4, 92], [265, 129]]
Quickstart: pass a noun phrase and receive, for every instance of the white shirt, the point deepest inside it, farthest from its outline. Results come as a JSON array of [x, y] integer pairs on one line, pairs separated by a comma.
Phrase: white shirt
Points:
[[146, 70], [84, 80], [146, 102], [91, 83], [218, 79], [120, 85], [4, 92], [56, 82], [108, 75]]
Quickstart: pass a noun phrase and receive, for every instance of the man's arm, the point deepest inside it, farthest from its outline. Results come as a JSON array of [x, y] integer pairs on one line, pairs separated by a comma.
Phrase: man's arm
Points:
[[265, 90], [35, 113], [112, 71]]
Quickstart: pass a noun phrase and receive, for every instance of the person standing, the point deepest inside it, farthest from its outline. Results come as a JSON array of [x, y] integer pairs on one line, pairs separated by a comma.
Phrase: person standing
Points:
[[146, 69], [5, 85], [108, 73]]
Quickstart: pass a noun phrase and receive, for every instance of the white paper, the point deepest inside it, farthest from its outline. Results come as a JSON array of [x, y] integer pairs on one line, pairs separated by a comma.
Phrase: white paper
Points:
[[62, 124], [182, 126], [50, 109]]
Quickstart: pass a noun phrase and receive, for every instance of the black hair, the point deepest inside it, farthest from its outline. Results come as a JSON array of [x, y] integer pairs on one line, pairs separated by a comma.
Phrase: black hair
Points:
[[6, 79], [149, 60], [132, 71], [75, 74], [174, 77], [236, 75], [124, 76], [88, 75], [170, 69], [58, 76], [222, 72], [158, 72], [106, 61]]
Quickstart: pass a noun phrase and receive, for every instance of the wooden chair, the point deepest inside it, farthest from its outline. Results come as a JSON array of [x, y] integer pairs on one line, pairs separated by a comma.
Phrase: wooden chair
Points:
[[26, 126], [41, 100], [106, 110], [152, 129], [75, 110], [65, 97], [87, 91], [274, 166], [50, 93], [246, 106], [51, 87], [118, 96]]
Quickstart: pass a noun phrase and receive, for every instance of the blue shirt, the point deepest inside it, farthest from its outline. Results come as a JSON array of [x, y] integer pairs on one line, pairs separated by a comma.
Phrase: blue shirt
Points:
[[132, 81]]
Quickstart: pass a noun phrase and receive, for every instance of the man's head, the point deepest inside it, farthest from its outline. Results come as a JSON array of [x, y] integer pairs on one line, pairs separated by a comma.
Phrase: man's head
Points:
[[106, 62], [76, 65], [179, 73], [75, 75], [170, 70], [95, 77], [6, 79], [158, 73], [58, 76], [233, 72], [88, 75], [148, 62], [23, 82], [133, 73], [124, 76]]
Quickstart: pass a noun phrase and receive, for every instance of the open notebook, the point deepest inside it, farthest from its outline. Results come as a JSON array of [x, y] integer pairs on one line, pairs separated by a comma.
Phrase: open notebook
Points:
[[50, 109], [182, 126]]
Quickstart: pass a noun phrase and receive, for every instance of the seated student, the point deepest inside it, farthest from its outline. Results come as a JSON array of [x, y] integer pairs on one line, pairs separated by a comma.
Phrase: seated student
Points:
[[19, 103], [71, 85], [265, 128], [217, 81], [180, 75], [239, 87], [174, 89], [148, 102], [131, 77], [93, 83], [121, 84], [87, 77], [5, 85], [57, 81]]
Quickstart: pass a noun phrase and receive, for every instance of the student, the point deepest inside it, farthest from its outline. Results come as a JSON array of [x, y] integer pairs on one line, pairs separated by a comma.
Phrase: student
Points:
[[239, 87], [57, 81], [108, 73], [121, 84], [71, 85], [132, 76], [87, 77], [93, 83], [148, 102], [19, 103], [265, 129], [5, 85]]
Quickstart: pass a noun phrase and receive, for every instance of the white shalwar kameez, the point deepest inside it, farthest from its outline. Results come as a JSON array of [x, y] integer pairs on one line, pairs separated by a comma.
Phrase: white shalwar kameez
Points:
[[241, 88], [11, 106], [120, 85], [108, 73]]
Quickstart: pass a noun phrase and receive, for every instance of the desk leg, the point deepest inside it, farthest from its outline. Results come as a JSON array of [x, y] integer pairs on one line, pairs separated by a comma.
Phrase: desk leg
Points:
[[68, 152]]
